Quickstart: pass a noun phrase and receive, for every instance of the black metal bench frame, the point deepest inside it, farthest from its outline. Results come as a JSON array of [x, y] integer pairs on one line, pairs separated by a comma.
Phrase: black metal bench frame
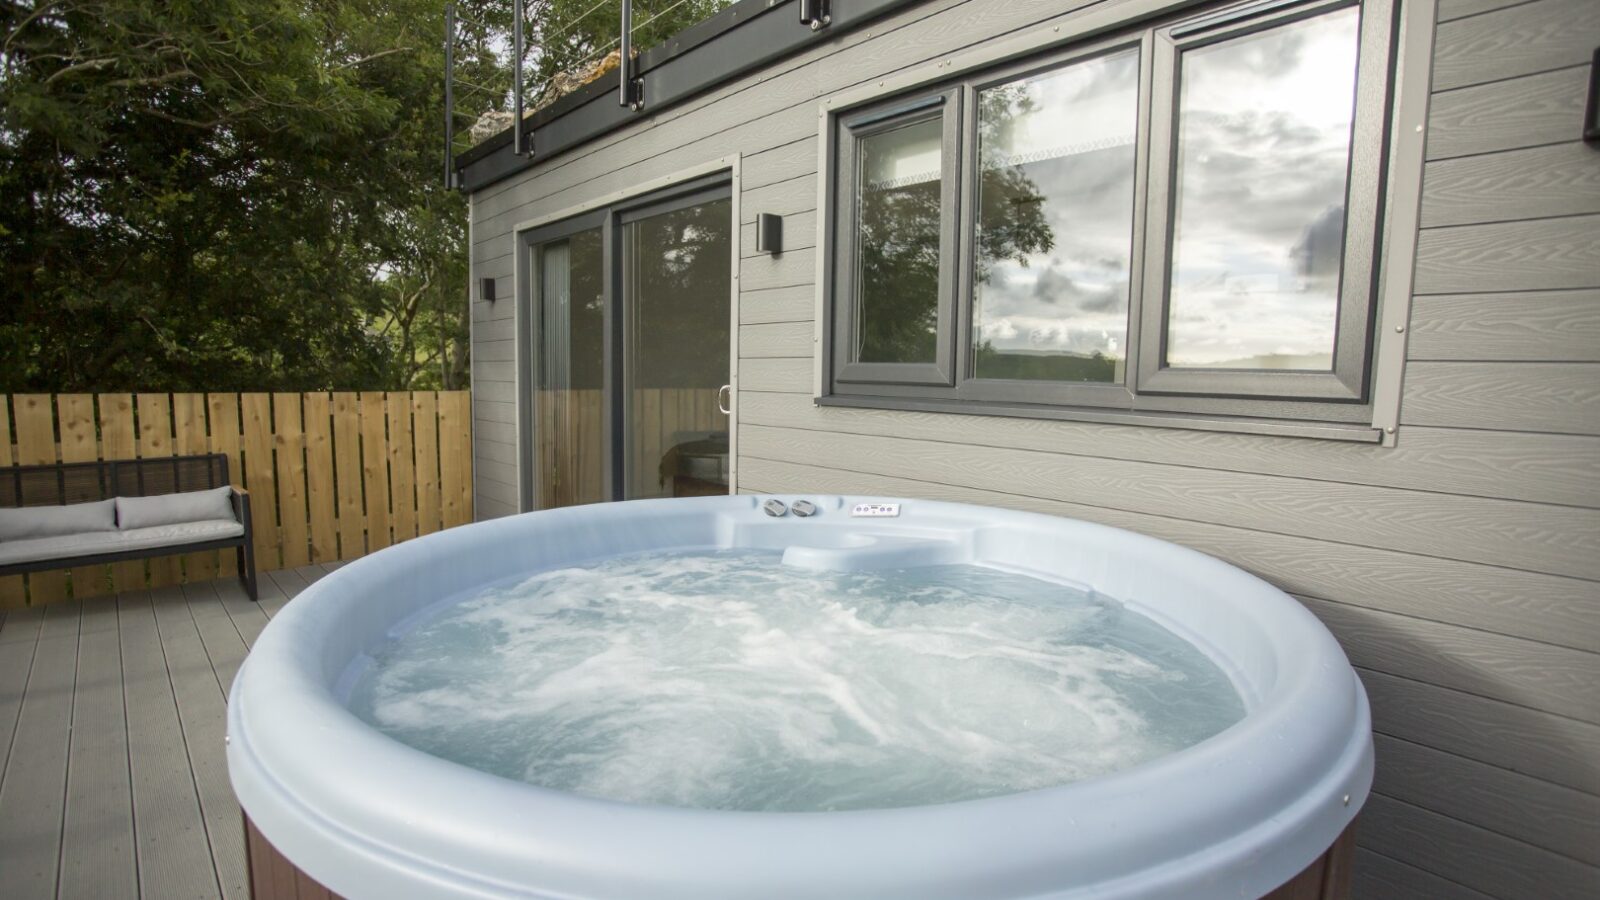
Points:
[[58, 484]]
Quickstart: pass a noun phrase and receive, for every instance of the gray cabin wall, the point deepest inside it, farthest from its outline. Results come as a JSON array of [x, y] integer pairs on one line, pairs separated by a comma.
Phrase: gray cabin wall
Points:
[[1458, 568]]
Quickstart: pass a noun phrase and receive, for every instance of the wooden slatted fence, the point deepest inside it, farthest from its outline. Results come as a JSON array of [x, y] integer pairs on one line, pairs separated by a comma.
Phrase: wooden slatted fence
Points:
[[331, 476]]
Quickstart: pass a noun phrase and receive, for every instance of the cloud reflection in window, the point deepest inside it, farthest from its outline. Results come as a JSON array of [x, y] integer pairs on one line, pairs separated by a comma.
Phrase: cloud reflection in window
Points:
[[1263, 152]]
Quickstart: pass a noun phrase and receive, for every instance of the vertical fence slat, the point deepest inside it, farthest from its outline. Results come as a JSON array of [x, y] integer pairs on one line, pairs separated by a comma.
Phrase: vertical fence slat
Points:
[[75, 417], [425, 410], [320, 494], [190, 439], [374, 470], [119, 440], [13, 590], [347, 474], [155, 440], [402, 467], [36, 444], [455, 453], [289, 441], [223, 410], [255, 416]]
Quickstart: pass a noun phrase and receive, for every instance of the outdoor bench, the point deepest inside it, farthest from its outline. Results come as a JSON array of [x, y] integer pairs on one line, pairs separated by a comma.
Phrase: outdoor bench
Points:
[[67, 515]]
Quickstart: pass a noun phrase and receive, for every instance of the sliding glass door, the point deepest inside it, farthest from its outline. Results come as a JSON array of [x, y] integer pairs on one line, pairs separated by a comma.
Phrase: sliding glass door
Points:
[[569, 372], [676, 281], [626, 361]]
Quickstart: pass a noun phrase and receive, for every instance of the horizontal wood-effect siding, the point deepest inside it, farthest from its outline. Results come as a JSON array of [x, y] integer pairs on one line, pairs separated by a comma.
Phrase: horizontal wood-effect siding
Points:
[[1561, 540], [1458, 567]]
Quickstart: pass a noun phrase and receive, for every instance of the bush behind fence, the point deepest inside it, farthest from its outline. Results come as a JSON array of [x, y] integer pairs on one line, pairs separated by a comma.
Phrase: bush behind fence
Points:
[[332, 476]]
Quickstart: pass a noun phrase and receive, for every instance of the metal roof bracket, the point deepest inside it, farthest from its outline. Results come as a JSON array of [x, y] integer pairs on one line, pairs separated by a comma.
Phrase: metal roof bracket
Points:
[[815, 13], [631, 85]]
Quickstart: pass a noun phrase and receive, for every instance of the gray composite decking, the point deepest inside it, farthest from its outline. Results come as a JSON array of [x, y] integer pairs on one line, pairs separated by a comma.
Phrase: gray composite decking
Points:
[[113, 781]]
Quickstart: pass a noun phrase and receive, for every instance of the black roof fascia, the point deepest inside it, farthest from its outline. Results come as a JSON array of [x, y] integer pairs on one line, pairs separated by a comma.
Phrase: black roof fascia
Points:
[[741, 38]]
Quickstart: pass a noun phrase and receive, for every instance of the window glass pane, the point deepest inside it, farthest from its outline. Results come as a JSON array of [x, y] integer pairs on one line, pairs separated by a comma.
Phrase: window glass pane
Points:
[[1263, 148], [1055, 223], [676, 285], [570, 373], [898, 182]]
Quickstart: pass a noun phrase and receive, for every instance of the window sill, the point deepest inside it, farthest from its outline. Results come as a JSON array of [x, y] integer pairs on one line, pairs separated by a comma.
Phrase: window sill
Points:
[[1330, 431]]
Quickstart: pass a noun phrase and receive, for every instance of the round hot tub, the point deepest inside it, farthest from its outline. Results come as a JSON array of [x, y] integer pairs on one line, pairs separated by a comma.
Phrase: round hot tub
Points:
[[1023, 793]]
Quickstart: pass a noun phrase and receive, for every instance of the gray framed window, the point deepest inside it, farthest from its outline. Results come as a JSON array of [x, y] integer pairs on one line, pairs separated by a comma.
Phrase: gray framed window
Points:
[[896, 240], [1180, 219], [1264, 224]]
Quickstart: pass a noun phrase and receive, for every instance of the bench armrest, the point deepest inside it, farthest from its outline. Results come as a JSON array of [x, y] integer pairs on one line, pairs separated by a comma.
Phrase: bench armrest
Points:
[[241, 505]]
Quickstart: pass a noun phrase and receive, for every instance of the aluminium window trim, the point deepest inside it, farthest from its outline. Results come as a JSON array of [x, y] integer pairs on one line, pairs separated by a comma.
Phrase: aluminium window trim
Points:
[[1357, 296], [1114, 394], [847, 371], [711, 189], [604, 212]]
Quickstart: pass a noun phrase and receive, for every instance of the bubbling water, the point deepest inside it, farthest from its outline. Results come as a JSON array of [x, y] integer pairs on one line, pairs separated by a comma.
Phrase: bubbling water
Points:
[[725, 680]]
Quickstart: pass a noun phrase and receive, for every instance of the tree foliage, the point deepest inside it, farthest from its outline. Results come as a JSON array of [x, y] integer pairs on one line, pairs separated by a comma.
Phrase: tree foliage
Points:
[[227, 194], [246, 194]]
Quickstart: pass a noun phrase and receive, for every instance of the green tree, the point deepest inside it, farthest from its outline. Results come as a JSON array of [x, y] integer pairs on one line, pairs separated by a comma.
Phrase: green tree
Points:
[[246, 194]]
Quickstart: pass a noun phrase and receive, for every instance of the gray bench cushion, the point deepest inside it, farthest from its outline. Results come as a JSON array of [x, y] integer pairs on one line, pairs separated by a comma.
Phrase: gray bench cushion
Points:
[[33, 522], [96, 542], [174, 509]]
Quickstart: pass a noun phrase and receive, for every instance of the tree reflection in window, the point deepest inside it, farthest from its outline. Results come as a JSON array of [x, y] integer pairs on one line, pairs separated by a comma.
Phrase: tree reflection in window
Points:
[[1055, 223], [899, 183]]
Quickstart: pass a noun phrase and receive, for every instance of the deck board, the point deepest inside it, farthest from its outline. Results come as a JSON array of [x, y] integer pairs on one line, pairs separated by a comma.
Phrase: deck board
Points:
[[173, 853], [33, 793], [113, 772], [19, 635], [202, 713], [224, 646], [97, 858]]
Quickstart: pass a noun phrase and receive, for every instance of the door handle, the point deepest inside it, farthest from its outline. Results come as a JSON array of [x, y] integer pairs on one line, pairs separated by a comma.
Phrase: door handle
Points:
[[725, 399]]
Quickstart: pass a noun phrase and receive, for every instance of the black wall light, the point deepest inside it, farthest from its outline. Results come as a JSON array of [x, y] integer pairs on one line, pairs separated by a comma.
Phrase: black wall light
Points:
[[1591, 116], [769, 233], [486, 289]]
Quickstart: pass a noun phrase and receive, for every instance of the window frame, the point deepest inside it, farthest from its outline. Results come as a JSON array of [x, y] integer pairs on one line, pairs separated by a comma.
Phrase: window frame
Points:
[[1364, 183], [943, 105], [1116, 395], [1263, 401], [607, 215]]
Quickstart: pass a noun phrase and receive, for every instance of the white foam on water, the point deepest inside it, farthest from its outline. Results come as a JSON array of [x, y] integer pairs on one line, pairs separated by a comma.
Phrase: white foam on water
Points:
[[725, 680]]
